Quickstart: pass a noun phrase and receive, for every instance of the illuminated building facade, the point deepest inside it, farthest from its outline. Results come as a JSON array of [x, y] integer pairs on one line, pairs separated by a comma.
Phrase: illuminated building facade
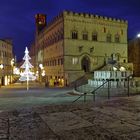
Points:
[[73, 44], [6, 61]]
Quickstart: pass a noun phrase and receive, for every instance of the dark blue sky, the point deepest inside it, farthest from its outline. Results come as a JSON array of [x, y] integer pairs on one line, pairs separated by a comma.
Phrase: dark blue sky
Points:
[[17, 16]]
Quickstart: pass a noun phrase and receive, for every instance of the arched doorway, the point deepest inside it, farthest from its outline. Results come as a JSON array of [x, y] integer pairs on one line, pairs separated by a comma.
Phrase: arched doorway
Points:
[[85, 64]]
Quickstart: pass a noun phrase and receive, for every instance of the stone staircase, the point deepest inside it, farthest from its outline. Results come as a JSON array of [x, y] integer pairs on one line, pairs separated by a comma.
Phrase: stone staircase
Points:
[[82, 80]]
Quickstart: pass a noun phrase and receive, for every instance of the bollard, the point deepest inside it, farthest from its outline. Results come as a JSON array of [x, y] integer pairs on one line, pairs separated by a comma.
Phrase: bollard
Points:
[[128, 87], [85, 97], [108, 90], [94, 96]]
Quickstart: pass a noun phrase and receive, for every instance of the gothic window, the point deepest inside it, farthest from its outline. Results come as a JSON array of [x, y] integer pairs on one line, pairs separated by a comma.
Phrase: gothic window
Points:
[[108, 37], [74, 35], [117, 38], [58, 61], [94, 36], [55, 62], [85, 36]]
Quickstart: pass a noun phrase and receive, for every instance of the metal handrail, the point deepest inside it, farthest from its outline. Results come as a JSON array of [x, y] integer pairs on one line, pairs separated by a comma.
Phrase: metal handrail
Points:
[[100, 86], [78, 98], [93, 92]]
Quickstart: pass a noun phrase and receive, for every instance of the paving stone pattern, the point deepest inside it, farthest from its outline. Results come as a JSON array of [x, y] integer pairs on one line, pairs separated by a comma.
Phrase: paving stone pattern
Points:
[[116, 119]]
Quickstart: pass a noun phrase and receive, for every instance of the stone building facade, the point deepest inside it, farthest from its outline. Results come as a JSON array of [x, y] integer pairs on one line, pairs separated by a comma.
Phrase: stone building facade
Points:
[[6, 61], [73, 44]]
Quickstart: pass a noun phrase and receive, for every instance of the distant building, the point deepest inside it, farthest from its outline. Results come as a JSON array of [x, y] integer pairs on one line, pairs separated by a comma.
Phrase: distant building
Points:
[[6, 61], [73, 44], [134, 55]]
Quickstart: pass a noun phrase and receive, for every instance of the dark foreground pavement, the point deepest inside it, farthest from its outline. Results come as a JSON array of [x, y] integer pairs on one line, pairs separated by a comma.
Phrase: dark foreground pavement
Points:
[[116, 119]]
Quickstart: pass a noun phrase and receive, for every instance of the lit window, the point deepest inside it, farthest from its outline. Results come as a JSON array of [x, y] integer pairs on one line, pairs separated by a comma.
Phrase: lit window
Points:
[[74, 60]]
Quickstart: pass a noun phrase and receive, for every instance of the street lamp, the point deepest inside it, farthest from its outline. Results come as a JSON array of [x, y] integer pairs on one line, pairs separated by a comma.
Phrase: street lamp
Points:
[[12, 64], [41, 72], [1, 67], [138, 35], [41, 66]]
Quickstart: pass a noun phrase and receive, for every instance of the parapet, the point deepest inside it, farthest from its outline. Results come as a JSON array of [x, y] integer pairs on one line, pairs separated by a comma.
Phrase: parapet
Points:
[[87, 15]]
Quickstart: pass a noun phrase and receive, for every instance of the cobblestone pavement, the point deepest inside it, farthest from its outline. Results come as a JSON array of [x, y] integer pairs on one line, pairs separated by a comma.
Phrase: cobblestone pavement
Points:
[[116, 119]]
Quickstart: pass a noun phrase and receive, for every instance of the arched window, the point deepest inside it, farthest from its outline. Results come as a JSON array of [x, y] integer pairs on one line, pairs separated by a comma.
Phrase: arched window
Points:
[[117, 38], [94, 36], [108, 37], [74, 35]]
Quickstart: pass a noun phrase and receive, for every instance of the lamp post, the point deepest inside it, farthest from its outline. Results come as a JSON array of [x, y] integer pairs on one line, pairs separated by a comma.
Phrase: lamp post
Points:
[[1, 67], [12, 64], [41, 72]]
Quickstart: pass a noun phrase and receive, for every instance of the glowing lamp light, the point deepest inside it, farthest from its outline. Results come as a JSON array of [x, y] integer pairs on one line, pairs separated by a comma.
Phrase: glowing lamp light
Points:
[[122, 69], [138, 35], [16, 71], [12, 62], [43, 73], [41, 66], [1, 66], [114, 68]]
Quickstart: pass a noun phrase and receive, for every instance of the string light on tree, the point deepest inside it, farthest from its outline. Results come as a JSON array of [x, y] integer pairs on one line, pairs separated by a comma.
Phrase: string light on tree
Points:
[[27, 75]]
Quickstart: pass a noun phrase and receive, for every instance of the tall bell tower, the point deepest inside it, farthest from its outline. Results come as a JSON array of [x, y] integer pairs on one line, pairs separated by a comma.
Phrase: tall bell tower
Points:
[[40, 20]]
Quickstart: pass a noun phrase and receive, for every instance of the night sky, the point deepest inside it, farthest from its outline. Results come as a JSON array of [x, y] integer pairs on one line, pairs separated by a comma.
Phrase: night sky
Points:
[[17, 16]]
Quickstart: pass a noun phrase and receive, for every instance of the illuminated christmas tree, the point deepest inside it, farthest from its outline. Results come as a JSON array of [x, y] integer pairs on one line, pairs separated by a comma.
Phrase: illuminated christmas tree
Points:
[[27, 75]]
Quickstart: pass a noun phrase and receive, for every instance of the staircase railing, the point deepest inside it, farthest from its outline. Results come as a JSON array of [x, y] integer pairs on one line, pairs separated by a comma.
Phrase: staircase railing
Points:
[[108, 87]]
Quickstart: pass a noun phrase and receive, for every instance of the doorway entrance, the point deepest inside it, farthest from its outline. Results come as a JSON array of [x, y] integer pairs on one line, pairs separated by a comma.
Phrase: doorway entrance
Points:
[[85, 64]]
